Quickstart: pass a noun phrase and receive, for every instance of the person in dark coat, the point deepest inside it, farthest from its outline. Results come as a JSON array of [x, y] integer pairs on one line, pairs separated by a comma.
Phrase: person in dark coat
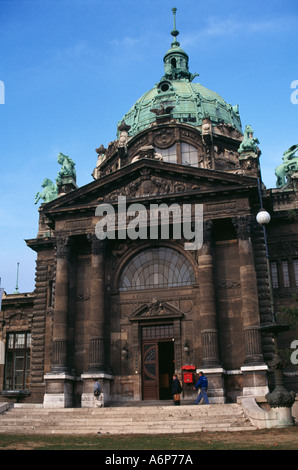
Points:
[[176, 390]]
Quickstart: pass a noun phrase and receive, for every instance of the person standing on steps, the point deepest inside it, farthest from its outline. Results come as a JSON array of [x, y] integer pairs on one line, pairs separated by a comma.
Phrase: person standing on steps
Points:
[[203, 385], [176, 390]]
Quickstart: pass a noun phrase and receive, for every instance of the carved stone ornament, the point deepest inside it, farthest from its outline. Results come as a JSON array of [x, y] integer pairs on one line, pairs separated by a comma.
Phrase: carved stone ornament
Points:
[[164, 138], [97, 245], [152, 185], [283, 247], [155, 309], [242, 225], [63, 247], [208, 230]]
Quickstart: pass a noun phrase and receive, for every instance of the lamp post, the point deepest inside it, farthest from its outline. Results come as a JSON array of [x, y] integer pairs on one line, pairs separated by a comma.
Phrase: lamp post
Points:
[[17, 283], [279, 397], [263, 218]]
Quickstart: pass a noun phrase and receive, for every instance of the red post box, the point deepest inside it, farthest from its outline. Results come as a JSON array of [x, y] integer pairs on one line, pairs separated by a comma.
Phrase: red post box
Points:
[[188, 371]]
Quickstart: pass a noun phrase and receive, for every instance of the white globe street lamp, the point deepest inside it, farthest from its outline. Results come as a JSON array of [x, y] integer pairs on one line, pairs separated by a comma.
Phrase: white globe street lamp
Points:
[[263, 217]]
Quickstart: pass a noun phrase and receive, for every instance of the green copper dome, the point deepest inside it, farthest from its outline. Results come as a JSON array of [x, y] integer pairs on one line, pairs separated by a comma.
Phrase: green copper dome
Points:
[[189, 102]]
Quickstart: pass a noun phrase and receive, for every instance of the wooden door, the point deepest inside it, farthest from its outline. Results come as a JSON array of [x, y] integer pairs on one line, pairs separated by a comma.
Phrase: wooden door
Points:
[[150, 371]]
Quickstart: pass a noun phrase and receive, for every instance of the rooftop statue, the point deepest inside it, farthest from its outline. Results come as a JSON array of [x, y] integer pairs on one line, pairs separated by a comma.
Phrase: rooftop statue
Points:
[[289, 166], [101, 152], [67, 168], [249, 143], [49, 192], [162, 110]]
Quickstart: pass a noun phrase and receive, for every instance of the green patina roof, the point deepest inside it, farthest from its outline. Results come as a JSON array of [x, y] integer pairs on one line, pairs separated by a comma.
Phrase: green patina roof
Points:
[[192, 102]]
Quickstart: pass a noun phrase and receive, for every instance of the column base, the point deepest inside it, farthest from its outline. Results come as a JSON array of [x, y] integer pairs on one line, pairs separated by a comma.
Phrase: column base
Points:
[[255, 380], [58, 391], [216, 390], [105, 380]]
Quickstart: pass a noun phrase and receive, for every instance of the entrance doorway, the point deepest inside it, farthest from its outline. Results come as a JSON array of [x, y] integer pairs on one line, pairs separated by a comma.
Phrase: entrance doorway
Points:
[[166, 368], [158, 362]]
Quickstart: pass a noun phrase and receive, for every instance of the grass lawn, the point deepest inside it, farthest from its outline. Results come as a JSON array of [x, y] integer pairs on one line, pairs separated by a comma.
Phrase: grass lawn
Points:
[[271, 439]]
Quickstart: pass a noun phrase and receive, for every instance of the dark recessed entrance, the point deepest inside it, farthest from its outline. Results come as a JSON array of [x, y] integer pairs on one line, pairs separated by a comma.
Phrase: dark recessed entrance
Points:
[[158, 362]]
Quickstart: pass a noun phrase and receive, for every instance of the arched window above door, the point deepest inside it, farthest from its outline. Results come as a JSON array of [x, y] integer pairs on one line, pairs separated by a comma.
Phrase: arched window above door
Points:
[[156, 268]]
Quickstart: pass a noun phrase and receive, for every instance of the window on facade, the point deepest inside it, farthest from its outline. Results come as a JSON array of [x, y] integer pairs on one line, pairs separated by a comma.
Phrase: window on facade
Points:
[[274, 274], [158, 331], [17, 364], [50, 294], [285, 272], [189, 154], [157, 268], [168, 155], [295, 266]]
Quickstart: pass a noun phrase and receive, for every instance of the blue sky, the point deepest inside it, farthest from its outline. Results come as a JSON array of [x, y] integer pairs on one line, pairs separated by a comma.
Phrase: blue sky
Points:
[[72, 68]]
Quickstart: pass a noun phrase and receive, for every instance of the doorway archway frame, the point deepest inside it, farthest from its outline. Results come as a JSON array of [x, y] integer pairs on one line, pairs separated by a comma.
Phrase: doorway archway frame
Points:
[[156, 313]]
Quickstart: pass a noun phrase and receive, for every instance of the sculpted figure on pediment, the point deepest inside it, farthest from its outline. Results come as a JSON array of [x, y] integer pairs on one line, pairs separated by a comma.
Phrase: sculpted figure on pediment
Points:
[[156, 308], [151, 186]]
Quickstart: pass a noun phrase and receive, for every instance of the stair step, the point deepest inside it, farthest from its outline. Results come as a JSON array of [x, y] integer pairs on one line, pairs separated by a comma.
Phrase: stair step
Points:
[[123, 420]]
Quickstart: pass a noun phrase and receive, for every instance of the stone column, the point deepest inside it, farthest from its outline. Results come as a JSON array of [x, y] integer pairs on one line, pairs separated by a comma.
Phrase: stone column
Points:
[[60, 327], [254, 368], [97, 337], [97, 306], [249, 291], [208, 319], [59, 381], [207, 301]]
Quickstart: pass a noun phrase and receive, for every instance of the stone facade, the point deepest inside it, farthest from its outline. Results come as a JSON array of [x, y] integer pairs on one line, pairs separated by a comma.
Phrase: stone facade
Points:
[[110, 308]]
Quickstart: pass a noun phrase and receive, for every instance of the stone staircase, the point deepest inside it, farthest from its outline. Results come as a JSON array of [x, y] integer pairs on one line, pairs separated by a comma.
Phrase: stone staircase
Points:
[[150, 419]]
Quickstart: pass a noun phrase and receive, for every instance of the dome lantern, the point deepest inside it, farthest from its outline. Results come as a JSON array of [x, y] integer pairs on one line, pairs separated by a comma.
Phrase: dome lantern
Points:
[[176, 59]]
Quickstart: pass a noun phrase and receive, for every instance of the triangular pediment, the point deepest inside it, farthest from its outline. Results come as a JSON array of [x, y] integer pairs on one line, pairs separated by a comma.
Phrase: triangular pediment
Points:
[[155, 310], [149, 179]]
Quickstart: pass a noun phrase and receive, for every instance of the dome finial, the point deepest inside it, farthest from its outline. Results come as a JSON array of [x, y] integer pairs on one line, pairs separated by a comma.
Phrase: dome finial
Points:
[[175, 32]]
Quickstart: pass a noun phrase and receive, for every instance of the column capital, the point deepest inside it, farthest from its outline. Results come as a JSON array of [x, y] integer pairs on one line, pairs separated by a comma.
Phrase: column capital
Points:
[[243, 225], [63, 245], [97, 246], [207, 231]]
